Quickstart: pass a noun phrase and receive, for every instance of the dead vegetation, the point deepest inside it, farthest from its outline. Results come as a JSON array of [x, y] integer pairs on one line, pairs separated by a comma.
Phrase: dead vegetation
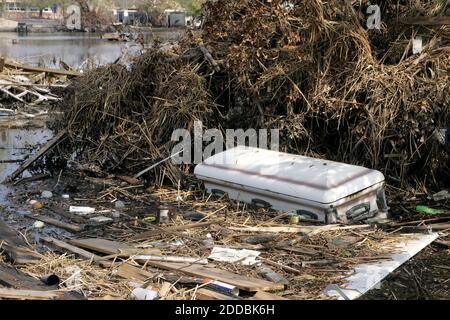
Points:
[[334, 88]]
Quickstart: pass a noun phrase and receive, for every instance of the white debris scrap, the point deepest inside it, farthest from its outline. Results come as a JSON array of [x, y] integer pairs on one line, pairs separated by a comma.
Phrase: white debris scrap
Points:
[[244, 256]]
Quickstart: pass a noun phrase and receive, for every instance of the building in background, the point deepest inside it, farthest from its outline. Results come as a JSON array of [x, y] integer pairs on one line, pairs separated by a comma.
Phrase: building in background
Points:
[[127, 16], [16, 9], [175, 18]]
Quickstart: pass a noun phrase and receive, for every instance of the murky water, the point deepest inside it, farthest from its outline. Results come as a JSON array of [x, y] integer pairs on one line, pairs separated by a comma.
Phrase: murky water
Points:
[[72, 48], [17, 144]]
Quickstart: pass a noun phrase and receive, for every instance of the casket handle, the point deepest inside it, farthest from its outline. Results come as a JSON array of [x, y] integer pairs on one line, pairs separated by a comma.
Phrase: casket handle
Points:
[[261, 203]]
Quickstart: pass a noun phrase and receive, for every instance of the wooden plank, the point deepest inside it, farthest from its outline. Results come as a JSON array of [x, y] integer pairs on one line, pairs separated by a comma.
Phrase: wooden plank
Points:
[[123, 270], [261, 295], [64, 246], [34, 85], [60, 224], [429, 21], [52, 143], [128, 271], [165, 289], [443, 243], [152, 233], [298, 250], [309, 230], [30, 294], [6, 91], [242, 282], [15, 247], [206, 294], [178, 259], [15, 65], [103, 245]]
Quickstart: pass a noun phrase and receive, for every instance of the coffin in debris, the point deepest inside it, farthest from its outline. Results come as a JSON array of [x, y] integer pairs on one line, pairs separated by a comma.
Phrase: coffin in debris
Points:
[[322, 190]]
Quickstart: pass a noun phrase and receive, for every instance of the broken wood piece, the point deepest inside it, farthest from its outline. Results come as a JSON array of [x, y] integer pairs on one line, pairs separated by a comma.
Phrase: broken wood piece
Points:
[[104, 246], [7, 92], [15, 247], [239, 281], [17, 294], [128, 271], [130, 180], [428, 21], [271, 275], [123, 270], [434, 227], [165, 289], [177, 259], [301, 251], [309, 230], [158, 231], [443, 243], [60, 224], [52, 143], [15, 65], [282, 266], [182, 280], [209, 58], [67, 247], [13, 278]]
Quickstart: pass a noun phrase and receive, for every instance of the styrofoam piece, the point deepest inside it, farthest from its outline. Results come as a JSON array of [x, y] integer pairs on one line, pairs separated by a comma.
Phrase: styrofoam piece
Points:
[[368, 276], [101, 219], [144, 294], [81, 210]]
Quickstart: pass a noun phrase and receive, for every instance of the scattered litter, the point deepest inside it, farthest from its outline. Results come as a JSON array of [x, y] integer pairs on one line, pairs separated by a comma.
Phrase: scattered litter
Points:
[[222, 287], [101, 219], [244, 256], [46, 194], [37, 205], [119, 204], [441, 196], [144, 294], [81, 210], [429, 211], [38, 225]]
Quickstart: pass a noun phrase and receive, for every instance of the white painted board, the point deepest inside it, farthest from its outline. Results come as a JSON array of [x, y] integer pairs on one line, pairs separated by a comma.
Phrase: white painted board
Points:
[[368, 276]]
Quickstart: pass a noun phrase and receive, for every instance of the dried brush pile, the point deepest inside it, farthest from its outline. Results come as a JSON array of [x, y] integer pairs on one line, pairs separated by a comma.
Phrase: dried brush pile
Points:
[[310, 68], [336, 89], [122, 120]]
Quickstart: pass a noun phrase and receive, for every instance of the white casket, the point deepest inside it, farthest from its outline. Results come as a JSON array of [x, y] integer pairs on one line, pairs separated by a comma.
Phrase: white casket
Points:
[[322, 190]]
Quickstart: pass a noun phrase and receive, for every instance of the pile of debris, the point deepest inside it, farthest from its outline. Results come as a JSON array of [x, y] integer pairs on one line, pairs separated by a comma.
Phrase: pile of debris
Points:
[[31, 85], [125, 243], [336, 90]]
